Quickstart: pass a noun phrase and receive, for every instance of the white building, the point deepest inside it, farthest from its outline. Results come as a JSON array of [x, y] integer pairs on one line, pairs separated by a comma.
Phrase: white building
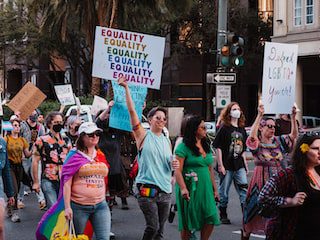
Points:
[[298, 22]]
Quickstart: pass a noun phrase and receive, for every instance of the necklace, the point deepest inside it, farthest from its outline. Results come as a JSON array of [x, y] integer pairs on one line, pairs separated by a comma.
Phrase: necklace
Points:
[[313, 180]]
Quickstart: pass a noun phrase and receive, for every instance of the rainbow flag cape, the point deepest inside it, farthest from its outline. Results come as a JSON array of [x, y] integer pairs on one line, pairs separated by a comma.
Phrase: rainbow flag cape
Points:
[[53, 221]]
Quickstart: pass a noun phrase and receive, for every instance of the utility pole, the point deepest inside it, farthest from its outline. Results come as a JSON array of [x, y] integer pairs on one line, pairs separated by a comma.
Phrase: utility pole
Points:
[[222, 27], [221, 41]]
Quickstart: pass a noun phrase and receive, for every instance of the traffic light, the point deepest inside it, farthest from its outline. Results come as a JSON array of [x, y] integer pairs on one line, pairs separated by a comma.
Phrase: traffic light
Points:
[[236, 50], [224, 57]]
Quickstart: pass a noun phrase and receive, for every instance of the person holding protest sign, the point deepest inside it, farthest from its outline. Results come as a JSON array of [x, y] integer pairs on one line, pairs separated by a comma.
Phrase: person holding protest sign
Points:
[[292, 196], [155, 167], [196, 188], [268, 151], [230, 143], [51, 149], [17, 147]]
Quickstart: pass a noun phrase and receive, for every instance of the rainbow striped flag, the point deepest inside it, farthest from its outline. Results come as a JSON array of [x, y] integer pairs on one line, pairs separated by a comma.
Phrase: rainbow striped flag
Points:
[[53, 222]]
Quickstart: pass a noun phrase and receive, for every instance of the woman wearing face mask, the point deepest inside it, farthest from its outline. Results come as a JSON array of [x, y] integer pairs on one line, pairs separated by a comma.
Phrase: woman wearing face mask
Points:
[[268, 152], [230, 144], [73, 124], [51, 150]]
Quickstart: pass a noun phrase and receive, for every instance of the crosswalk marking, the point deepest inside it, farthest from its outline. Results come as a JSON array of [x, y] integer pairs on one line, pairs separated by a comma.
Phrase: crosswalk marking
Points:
[[252, 235]]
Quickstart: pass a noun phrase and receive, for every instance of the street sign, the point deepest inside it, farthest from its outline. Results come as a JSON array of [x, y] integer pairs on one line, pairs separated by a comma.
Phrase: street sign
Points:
[[223, 95], [226, 78]]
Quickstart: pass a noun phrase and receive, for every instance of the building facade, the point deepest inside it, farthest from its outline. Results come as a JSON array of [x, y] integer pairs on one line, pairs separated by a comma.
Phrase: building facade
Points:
[[298, 22]]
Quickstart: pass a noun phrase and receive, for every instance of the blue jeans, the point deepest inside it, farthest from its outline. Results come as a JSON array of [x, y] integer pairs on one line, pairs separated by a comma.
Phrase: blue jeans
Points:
[[50, 190], [99, 216], [240, 182], [156, 213]]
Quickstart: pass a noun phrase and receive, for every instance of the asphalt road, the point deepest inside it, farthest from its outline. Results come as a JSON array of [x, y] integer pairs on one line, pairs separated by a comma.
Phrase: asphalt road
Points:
[[126, 224]]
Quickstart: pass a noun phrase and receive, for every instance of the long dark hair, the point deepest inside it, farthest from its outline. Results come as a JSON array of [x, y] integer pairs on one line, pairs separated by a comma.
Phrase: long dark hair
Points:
[[80, 144], [189, 138], [300, 158]]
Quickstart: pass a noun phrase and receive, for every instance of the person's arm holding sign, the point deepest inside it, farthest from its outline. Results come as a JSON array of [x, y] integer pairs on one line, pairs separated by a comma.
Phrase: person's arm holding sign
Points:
[[294, 125], [252, 140], [138, 131]]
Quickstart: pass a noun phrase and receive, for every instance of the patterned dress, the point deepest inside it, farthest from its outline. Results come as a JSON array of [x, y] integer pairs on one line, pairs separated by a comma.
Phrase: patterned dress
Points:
[[267, 159]]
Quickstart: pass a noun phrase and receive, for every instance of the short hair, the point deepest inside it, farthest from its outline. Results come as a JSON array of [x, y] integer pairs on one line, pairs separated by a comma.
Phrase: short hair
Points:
[[153, 111], [51, 115], [71, 119]]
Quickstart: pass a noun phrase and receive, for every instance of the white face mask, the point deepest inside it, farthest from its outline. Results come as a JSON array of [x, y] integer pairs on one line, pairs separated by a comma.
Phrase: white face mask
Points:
[[235, 113]]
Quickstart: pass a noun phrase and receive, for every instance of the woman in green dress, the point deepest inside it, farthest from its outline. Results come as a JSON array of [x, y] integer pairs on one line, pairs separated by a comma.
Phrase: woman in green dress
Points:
[[196, 189]]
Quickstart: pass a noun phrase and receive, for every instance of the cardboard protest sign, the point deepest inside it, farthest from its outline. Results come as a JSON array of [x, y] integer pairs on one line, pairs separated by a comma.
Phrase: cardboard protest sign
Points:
[[98, 104], [279, 77], [136, 56], [65, 94], [27, 100], [119, 116]]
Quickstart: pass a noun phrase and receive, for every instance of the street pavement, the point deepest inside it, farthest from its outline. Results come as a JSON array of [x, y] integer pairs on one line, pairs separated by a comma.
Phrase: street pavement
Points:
[[126, 224]]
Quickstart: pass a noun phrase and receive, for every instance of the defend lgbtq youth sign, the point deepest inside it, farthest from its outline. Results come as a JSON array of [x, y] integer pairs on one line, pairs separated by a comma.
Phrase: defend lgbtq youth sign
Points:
[[279, 77], [136, 56]]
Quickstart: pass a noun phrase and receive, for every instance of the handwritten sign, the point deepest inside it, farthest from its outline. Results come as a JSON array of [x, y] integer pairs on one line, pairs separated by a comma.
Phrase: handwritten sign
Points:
[[279, 77], [136, 56], [65, 94], [119, 117], [27, 100], [98, 104]]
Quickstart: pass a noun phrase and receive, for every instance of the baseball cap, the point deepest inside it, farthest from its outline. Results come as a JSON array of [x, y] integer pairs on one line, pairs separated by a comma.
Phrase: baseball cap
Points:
[[88, 127]]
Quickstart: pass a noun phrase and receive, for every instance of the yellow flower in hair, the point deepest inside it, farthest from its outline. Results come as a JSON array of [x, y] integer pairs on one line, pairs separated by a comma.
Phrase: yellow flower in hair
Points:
[[304, 148]]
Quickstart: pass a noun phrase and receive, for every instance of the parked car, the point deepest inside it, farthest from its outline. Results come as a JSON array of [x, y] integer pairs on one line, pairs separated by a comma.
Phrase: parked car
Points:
[[85, 113], [310, 122]]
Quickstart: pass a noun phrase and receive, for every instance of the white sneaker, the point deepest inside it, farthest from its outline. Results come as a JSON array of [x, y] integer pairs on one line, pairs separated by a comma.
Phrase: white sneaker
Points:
[[15, 218], [112, 236]]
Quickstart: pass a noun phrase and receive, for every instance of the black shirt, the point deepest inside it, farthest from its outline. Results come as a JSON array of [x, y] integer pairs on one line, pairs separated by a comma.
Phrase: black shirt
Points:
[[109, 144], [232, 142]]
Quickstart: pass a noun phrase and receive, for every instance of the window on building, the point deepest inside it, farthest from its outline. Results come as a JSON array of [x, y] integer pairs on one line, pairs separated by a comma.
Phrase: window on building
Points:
[[297, 13], [309, 11]]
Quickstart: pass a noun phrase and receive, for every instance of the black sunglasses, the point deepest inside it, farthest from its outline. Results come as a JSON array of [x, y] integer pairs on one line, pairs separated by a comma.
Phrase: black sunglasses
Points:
[[270, 126], [96, 133]]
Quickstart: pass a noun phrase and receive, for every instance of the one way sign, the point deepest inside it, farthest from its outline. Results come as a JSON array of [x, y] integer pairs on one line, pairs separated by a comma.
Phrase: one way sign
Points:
[[224, 78]]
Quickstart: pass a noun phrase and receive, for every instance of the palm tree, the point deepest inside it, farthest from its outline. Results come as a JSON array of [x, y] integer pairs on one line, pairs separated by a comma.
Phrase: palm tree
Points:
[[60, 18]]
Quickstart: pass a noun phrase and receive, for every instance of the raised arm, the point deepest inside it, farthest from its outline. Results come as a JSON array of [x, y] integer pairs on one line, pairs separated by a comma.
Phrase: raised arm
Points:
[[294, 125], [138, 131], [255, 125]]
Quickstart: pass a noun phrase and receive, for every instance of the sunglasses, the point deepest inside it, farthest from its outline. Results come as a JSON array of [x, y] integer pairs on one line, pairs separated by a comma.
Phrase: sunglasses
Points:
[[203, 127], [270, 126], [16, 125], [92, 135], [160, 118]]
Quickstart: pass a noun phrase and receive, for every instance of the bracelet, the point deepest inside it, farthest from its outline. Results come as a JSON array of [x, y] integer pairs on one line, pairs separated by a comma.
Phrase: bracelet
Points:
[[136, 127]]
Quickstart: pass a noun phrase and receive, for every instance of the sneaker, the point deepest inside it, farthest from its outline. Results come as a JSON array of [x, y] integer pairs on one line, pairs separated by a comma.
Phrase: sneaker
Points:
[[9, 211], [42, 205], [112, 236], [124, 206], [20, 204], [15, 218]]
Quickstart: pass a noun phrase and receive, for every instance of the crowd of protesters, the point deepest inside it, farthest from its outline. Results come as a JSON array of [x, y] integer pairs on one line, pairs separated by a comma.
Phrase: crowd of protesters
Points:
[[88, 164]]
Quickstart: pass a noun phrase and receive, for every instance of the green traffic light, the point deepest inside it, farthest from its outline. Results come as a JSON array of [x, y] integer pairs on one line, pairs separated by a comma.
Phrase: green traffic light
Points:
[[224, 61], [238, 61]]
